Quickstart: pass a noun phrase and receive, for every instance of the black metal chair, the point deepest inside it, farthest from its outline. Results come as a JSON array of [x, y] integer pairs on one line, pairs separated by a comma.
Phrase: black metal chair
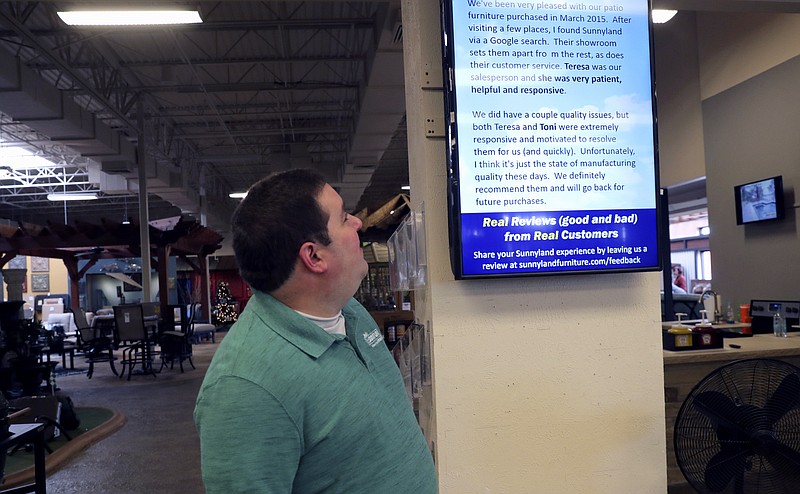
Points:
[[177, 344], [134, 338], [41, 409], [96, 347]]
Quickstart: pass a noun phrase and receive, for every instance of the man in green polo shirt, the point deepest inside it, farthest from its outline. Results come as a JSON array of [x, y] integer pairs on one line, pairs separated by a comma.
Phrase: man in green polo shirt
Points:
[[302, 395]]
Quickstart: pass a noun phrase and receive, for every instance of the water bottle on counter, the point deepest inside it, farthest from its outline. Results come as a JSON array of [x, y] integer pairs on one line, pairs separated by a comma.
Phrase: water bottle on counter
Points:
[[778, 325]]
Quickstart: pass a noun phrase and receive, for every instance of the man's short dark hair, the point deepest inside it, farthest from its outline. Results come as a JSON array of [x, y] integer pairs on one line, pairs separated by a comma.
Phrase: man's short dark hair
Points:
[[279, 214]]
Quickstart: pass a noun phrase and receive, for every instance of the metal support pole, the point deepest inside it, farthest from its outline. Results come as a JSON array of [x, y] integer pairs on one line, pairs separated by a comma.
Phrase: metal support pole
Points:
[[144, 213]]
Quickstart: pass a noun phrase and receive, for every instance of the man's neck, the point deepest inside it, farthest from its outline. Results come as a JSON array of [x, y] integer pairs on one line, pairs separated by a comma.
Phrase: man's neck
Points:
[[307, 298]]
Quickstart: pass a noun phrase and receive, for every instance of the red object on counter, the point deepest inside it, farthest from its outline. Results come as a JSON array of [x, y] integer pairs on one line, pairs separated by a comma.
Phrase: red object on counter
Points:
[[744, 313]]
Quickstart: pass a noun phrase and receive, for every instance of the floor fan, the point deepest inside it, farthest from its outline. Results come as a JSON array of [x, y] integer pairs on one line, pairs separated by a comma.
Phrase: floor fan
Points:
[[738, 431]]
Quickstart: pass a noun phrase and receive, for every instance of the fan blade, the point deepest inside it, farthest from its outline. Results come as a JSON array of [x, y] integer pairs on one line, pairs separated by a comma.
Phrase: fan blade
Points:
[[721, 410], [784, 399], [786, 462], [723, 466]]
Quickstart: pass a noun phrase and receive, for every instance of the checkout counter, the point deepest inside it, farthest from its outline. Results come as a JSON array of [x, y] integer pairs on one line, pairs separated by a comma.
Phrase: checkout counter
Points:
[[684, 369]]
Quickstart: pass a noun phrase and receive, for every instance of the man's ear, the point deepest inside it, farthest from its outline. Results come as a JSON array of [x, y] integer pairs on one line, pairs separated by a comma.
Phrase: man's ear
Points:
[[309, 256]]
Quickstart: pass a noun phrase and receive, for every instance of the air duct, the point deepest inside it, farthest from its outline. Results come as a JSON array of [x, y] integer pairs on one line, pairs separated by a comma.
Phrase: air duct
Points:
[[29, 99], [382, 108]]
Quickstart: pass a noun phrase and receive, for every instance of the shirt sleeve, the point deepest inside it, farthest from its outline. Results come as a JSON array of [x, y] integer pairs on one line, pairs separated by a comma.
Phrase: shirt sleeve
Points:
[[248, 443]]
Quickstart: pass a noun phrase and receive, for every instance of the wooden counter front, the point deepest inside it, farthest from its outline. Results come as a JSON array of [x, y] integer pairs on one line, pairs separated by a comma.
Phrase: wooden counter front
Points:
[[684, 370]]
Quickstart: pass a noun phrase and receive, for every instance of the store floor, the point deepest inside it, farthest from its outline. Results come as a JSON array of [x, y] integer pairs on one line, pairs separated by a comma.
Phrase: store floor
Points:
[[157, 450]]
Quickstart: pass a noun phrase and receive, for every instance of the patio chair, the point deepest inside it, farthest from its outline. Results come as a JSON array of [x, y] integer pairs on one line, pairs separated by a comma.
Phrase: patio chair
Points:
[[96, 347], [133, 336], [177, 344], [202, 330]]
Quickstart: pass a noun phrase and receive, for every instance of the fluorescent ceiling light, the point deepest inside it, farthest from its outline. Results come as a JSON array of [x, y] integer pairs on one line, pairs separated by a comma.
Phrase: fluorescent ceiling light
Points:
[[237, 195], [405, 187], [129, 17], [72, 197], [661, 16]]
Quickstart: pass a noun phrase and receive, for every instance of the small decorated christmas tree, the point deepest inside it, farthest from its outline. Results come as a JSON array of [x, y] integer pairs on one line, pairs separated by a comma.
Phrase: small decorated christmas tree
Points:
[[224, 310]]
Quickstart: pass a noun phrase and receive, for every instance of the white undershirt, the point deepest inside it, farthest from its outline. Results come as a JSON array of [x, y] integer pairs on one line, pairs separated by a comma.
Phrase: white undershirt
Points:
[[332, 325]]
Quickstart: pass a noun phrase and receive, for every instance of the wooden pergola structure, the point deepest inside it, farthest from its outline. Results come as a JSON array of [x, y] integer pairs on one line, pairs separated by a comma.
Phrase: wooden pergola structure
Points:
[[178, 236]]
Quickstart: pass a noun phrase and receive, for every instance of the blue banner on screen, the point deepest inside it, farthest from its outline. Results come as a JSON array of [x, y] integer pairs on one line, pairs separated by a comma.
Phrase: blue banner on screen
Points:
[[553, 165], [562, 241]]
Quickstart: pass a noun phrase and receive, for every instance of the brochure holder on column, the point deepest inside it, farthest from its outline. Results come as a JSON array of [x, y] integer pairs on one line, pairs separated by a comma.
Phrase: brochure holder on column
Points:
[[407, 255]]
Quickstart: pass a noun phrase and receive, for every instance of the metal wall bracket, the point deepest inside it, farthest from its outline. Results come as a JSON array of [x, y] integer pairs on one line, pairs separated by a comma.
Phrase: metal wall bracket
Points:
[[434, 126], [432, 77]]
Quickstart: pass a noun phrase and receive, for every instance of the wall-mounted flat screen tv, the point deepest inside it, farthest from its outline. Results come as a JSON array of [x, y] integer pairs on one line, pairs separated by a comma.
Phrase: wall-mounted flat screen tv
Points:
[[551, 132], [759, 201]]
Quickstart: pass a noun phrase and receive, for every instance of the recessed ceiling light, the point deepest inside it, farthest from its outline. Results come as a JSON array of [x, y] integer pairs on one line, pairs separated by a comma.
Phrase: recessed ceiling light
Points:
[[237, 195], [129, 17]]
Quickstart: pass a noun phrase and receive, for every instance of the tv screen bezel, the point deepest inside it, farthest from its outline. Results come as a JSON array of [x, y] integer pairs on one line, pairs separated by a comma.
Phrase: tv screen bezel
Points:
[[780, 210], [453, 191]]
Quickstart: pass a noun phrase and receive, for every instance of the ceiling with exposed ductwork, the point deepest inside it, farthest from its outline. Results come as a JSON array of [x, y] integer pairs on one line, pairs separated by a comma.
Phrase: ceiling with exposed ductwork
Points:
[[258, 87]]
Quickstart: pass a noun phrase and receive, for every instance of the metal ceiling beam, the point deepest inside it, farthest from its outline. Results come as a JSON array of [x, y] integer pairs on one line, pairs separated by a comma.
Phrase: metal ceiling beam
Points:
[[231, 87], [246, 109], [192, 119], [266, 132], [216, 61], [248, 121], [245, 61]]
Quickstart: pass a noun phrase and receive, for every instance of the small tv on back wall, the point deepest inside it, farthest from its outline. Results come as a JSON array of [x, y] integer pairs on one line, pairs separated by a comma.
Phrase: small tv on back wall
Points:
[[759, 201]]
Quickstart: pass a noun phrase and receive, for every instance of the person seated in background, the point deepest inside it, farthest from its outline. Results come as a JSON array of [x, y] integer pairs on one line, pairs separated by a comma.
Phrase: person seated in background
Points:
[[678, 290], [677, 277]]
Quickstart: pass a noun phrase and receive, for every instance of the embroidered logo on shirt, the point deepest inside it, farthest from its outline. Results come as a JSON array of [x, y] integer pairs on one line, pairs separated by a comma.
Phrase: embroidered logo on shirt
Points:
[[373, 338]]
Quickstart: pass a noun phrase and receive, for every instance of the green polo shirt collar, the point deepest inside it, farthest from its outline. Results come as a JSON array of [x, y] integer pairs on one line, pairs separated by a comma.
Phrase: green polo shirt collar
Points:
[[302, 333]]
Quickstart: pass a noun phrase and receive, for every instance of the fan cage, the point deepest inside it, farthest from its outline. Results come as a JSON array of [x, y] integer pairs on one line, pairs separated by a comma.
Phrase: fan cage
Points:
[[749, 385]]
